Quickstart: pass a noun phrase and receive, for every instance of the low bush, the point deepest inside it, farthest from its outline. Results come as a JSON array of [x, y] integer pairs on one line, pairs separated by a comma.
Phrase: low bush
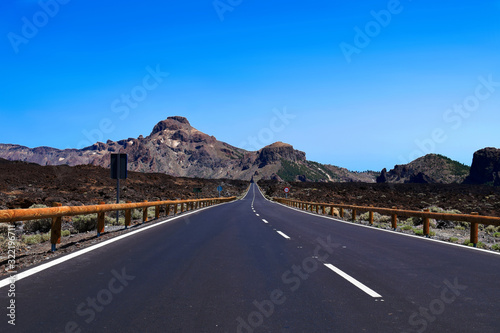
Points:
[[85, 223], [40, 225]]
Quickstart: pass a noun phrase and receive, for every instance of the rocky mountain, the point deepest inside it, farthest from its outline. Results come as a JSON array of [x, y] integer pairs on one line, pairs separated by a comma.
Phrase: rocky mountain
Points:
[[485, 168], [431, 168], [176, 148]]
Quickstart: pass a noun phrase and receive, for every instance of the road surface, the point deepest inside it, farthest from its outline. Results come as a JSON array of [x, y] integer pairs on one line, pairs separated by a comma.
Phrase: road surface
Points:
[[257, 266]]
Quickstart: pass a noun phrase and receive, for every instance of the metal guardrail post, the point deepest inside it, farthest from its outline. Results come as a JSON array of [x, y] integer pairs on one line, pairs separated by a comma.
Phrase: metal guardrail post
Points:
[[426, 224], [157, 210], [394, 219], [474, 229], [145, 213], [100, 221], [55, 229], [128, 216]]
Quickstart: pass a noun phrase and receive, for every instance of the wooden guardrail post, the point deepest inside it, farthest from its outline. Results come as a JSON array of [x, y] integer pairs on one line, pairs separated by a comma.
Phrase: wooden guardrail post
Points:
[[331, 210], [100, 221], [371, 216], [342, 212], [175, 207], [55, 229], [474, 230], [157, 210], [354, 215], [145, 213], [128, 216], [394, 219], [167, 209], [182, 207], [426, 224], [317, 209]]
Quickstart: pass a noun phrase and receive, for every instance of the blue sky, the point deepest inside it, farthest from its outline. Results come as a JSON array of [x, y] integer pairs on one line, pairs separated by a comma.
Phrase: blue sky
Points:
[[363, 85]]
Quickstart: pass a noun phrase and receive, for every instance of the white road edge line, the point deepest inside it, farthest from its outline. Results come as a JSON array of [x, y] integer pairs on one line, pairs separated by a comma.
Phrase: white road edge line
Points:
[[355, 282], [264, 221], [19, 276], [282, 234]]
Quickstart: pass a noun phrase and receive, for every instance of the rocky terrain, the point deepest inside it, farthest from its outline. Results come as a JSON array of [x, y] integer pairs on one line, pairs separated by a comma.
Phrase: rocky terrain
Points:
[[431, 168], [23, 184], [466, 198], [176, 148], [485, 167]]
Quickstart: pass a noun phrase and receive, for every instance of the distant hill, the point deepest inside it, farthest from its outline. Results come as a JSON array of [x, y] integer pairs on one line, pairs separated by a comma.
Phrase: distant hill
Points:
[[176, 148], [431, 168]]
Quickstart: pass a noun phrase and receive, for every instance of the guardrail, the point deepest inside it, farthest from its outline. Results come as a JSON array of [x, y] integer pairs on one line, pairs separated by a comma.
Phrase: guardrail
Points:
[[58, 211], [474, 218]]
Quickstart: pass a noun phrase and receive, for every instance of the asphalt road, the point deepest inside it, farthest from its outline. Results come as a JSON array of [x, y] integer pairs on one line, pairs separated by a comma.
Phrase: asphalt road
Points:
[[257, 266]]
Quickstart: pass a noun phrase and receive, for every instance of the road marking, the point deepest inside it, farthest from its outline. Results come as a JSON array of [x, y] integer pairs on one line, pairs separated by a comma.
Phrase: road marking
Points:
[[264, 221], [282, 234], [257, 214], [353, 281]]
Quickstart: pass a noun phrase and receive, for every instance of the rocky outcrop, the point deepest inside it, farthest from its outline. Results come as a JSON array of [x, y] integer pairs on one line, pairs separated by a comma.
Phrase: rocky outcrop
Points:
[[276, 152], [383, 176], [428, 169], [485, 167]]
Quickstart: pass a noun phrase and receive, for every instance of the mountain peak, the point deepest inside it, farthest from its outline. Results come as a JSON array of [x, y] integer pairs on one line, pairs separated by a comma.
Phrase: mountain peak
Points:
[[180, 119], [172, 123], [278, 144]]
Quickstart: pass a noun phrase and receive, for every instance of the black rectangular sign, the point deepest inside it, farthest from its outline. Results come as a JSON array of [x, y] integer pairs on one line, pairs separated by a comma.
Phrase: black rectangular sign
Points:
[[119, 166]]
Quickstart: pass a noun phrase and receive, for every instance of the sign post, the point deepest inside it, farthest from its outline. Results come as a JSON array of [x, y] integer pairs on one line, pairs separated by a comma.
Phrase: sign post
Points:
[[219, 189], [118, 171], [286, 190], [197, 190]]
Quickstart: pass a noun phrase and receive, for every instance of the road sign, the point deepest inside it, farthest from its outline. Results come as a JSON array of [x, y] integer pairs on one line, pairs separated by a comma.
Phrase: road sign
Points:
[[119, 166], [197, 190], [219, 188], [286, 189]]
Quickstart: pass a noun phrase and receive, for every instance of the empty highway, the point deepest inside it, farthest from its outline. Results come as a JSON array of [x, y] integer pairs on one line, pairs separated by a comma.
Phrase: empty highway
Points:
[[256, 266]]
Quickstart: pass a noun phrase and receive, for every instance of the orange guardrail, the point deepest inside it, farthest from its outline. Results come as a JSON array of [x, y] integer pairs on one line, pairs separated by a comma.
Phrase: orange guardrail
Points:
[[58, 211], [474, 219]]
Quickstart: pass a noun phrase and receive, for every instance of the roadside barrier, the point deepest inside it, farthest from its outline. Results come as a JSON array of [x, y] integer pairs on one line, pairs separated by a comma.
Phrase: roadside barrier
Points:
[[58, 211], [474, 218]]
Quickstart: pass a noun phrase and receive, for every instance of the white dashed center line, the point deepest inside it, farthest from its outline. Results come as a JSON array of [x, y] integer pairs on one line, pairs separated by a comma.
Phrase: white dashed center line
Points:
[[353, 281], [282, 234], [263, 220]]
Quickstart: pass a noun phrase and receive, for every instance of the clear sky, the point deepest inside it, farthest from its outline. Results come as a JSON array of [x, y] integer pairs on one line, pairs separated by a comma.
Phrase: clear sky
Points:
[[358, 84]]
